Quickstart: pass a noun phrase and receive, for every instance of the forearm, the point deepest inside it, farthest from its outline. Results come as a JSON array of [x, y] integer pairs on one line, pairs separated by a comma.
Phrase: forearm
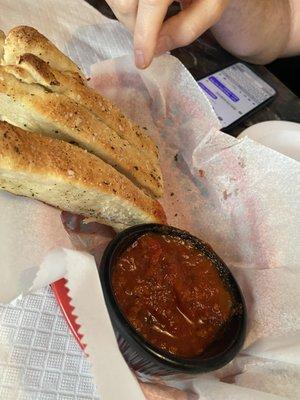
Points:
[[257, 31]]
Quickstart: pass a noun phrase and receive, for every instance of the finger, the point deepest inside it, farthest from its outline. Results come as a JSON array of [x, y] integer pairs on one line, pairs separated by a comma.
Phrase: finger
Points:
[[189, 24], [149, 20], [125, 11]]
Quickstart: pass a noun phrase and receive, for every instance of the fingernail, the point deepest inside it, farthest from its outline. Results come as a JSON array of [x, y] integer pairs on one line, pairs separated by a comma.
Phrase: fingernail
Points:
[[139, 58], [163, 44]]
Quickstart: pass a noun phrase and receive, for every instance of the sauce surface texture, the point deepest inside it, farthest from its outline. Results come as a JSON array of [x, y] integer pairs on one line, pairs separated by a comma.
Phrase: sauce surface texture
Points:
[[171, 294]]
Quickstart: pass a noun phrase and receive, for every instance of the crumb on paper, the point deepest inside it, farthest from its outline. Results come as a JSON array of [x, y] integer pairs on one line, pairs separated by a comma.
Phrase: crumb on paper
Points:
[[242, 163], [201, 173], [226, 194]]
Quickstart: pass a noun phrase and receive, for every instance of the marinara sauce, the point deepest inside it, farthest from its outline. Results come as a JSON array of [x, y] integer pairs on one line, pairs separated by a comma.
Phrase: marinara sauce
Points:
[[171, 293]]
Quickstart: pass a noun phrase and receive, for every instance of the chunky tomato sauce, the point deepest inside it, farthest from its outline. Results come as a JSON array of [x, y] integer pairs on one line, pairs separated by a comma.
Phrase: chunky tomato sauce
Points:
[[171, 294]]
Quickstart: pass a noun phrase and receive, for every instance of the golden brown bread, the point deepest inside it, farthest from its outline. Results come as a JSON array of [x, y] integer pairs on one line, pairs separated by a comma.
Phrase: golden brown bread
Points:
[[31, 107], [42, 90], [70, 178], [25, 39], [103, 129], [72, 86], [39, 71]]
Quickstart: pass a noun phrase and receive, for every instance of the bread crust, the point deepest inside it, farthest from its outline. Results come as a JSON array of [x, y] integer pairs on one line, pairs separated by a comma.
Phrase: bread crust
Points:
[[32, 59], [33, 108], [24, 42], [25, 39], [73, 87], [39, 70], [88, 157], [72, 179]]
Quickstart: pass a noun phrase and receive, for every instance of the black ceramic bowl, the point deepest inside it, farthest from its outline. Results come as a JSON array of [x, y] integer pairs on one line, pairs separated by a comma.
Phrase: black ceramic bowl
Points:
[[147, 359]]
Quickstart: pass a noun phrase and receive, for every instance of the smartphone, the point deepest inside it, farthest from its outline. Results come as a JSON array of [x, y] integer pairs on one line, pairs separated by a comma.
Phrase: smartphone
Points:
[[235, 93]]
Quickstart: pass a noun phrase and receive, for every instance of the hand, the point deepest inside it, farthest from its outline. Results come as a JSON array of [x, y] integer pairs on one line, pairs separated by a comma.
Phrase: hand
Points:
[[153, 36]]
